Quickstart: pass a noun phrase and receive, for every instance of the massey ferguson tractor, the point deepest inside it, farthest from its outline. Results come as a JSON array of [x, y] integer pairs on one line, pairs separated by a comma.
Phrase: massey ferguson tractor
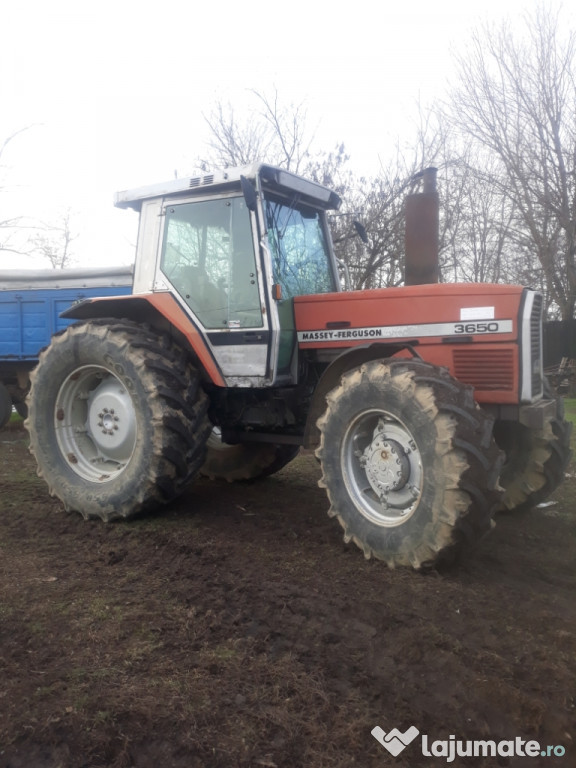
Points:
[[426, 404]]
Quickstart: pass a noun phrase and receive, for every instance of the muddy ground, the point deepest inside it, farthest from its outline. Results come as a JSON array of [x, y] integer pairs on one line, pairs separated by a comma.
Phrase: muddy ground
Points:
[[236, 630]]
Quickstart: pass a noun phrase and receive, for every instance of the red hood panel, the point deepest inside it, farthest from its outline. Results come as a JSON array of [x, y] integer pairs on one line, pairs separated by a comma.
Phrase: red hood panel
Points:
[[431, 311]]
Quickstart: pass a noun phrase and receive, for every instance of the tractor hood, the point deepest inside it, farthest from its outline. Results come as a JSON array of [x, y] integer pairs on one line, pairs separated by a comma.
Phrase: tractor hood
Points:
[[436, 312]]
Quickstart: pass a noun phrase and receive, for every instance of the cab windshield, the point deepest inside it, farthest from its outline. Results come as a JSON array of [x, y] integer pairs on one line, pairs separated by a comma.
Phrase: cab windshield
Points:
[[299, 249]]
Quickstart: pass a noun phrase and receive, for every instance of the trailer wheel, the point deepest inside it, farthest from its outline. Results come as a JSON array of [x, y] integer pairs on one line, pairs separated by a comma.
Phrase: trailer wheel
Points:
[[408, 461], [244, 461], [536, 459], [117, 420], [5, 406]]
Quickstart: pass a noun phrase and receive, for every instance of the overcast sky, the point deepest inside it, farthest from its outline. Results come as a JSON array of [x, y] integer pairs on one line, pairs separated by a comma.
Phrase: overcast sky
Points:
[[113, 93]]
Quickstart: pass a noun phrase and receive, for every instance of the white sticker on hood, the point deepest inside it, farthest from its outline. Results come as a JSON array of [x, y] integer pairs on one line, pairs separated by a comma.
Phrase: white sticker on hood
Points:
[[477, 313]]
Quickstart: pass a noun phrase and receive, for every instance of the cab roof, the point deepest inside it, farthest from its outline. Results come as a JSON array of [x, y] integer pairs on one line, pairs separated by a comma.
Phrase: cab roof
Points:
[[271, 178]]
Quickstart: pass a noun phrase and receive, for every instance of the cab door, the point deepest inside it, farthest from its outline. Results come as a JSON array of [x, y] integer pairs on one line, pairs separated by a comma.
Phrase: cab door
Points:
[[207, 255], [301, 264]]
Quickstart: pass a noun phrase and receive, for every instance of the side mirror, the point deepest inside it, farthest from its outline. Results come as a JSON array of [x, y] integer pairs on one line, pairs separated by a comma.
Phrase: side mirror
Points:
[[250, 197], [361, 231]]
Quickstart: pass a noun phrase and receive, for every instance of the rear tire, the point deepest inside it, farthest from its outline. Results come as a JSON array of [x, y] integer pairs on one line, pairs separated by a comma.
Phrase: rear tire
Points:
[[117, 420], [244, 461], [408, 462]]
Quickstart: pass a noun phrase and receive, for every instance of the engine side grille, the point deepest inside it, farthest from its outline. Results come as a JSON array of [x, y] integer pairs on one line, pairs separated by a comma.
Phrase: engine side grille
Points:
[[536, 344], [485, 369]]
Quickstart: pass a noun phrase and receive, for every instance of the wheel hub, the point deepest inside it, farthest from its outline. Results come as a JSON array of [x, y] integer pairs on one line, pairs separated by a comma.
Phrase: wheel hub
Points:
[[110, 419], [382, 467], [387, 466]]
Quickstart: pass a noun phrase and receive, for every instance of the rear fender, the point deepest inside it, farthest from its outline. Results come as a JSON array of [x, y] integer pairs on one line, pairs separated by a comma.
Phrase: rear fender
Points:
[[159, 310], [352, 358]]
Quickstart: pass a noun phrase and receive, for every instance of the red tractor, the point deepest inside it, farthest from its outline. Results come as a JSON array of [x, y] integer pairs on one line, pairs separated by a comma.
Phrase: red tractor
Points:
[[426, 404]]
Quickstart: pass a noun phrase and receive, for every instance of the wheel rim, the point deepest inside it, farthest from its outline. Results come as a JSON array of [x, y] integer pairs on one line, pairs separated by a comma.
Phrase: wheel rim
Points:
[[382, 468], [95, 424]]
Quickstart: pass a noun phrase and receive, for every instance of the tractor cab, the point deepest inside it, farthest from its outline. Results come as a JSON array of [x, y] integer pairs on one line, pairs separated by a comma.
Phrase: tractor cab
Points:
[[234, 249]]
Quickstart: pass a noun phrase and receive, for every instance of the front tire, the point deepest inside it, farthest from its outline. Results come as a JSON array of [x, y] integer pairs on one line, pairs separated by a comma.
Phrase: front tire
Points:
[[408, 462], [117, 420]]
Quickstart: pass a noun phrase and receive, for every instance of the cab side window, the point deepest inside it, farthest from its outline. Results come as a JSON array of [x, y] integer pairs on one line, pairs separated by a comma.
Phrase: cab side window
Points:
[[208, 256]]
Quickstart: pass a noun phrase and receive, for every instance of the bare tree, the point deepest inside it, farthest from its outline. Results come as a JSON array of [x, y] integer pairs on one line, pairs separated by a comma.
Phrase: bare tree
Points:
[[14, 230], [380, 263], [476, 220], [516, 96], [232, 142], [54, 242], [279, 135], [271, 132], [379, 204]]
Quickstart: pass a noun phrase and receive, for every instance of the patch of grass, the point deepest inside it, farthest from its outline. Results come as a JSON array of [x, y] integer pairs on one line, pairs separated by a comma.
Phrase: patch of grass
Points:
[[15, 423], [570, 408], [99, 609]]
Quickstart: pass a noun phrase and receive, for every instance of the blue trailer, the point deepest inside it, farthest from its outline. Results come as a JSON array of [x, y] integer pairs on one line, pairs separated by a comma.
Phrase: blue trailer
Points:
[[30, 305]]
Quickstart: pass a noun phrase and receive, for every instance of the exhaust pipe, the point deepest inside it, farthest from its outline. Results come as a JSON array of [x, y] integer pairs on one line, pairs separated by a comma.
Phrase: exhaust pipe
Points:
[[422, 233]]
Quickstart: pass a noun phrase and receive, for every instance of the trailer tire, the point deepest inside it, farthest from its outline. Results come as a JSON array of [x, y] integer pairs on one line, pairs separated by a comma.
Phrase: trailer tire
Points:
[[5, 406], [117, 419], [244, 461], [536, 459], [406, 433]]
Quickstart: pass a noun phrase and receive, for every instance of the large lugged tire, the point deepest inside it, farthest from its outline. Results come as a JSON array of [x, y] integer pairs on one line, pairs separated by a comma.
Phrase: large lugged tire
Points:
[[117, 419], [408, 461], [5, 406], [245, 461], [536, 459]]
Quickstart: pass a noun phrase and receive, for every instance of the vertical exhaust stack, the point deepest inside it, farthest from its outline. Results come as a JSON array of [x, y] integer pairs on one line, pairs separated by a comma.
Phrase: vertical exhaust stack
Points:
[[422, 232]]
